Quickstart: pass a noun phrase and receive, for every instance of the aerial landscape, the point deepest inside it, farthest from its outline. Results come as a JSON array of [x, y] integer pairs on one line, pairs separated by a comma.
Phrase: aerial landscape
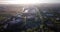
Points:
[[30, 18]]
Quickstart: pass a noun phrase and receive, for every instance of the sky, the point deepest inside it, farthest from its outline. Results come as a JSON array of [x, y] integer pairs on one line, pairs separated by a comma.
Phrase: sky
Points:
[[27, 1]]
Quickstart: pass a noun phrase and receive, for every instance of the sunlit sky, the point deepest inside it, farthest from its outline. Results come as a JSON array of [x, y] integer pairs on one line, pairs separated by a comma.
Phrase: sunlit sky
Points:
[[27, 1]]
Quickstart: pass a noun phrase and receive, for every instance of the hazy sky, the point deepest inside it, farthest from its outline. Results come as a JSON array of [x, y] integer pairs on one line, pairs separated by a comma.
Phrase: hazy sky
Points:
[[27, 1]]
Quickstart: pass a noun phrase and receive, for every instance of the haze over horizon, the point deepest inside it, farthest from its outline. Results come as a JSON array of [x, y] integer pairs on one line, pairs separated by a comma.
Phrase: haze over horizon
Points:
[[27, 1]]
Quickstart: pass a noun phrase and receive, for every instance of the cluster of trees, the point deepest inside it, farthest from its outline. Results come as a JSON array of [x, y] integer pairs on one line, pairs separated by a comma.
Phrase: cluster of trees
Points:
[[12, 21]]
